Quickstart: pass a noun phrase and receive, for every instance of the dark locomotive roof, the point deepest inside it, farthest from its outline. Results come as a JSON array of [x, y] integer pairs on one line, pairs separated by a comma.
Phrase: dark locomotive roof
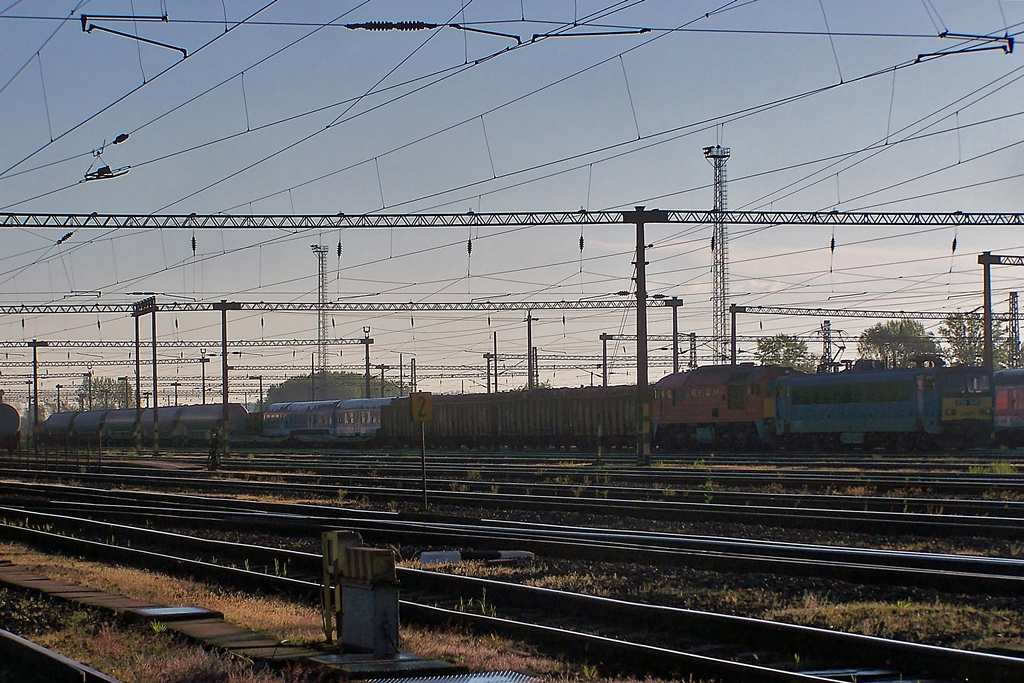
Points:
[[1013, 377], [723, 374]]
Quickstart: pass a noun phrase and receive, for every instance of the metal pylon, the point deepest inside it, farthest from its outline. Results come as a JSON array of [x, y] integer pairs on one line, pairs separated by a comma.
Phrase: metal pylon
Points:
[[717, 155], [321, 309], [1014, 332]]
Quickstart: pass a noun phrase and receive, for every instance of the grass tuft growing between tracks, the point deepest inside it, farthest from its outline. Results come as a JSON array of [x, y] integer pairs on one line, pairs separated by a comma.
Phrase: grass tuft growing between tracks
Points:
[[131, 653], [148, 654], [938, 623]]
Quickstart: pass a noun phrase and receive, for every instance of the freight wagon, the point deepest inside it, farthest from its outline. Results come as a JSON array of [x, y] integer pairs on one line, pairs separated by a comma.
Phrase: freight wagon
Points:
[[542, 418]]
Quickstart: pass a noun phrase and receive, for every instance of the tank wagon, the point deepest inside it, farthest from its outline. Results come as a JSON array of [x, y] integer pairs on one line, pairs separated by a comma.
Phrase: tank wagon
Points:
[[181, 425], [10, 426]]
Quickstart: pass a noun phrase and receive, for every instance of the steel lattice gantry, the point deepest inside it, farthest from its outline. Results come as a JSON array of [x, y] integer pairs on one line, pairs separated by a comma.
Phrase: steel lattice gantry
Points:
[[451, 220], [336, 306], [638, 218]]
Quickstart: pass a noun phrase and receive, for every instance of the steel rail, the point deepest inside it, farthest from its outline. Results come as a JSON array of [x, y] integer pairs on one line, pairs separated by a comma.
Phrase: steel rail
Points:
[[856, 521], [944, 572], [824, 648], [580, 485], [47, 664]]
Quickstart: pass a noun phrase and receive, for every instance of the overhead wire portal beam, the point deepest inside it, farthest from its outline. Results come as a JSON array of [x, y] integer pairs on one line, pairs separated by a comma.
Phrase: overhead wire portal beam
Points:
[[449, 220]]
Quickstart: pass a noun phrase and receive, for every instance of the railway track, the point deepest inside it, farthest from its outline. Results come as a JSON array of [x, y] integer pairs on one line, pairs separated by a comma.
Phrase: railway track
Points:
[[114, 513], [671, 642], [926, 517], [718, 473], [604, 486]]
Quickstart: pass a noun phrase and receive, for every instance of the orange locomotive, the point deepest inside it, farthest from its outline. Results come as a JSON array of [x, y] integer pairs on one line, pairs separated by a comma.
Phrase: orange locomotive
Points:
[[730, 406]]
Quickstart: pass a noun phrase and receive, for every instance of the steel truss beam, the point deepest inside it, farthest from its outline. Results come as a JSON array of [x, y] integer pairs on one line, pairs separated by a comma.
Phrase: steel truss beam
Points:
[[845, 313], [338, 306], [526, 218], [178, 344]]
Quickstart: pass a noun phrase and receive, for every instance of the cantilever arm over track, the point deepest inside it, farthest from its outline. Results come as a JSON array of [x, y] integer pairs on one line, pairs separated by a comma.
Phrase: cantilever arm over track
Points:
[[340, 306], [525, 218]]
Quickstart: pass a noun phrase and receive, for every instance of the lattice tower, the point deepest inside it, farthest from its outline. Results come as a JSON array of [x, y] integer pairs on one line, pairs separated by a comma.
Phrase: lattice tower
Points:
[[321, 309], [718, 155], [1014, 331]]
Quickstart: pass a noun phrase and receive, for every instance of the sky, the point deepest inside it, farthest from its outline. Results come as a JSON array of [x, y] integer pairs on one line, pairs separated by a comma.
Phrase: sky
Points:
[[504, 105]]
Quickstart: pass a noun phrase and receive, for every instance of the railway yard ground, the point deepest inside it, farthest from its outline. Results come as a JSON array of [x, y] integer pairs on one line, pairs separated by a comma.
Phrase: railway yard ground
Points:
[[686, 546]]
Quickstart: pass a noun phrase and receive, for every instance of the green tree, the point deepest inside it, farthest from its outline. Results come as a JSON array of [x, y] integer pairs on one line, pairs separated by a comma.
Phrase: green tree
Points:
[[964, 337], [896, 341], [786, 350], [107, 393], [333, 386]]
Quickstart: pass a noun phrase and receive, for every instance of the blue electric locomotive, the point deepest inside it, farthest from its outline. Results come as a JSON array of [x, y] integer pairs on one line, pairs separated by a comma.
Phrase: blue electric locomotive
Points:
[[903, 408]]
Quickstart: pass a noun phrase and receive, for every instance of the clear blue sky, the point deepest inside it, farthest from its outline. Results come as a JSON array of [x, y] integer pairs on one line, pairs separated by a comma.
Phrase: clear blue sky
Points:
[[279, 108]]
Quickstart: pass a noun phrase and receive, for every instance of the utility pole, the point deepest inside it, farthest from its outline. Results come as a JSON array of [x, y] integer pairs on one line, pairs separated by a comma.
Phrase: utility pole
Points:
[[224, 306], [675, 304], [604, 357], [640, 217], [366, 340], [35, 344], [321, 311], [138, 387], [203, 360], [718, 155], [140, 308], [529, 350]]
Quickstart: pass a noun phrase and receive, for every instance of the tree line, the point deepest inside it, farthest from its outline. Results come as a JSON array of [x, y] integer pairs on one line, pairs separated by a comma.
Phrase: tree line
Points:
[[960, 341]]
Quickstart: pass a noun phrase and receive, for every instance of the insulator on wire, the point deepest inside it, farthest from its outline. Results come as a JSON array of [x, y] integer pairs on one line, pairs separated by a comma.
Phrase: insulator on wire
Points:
[[193, 245], [953, 247], [339, 249], [712, 243], [469, 246], [832, 246], [581, 241]]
